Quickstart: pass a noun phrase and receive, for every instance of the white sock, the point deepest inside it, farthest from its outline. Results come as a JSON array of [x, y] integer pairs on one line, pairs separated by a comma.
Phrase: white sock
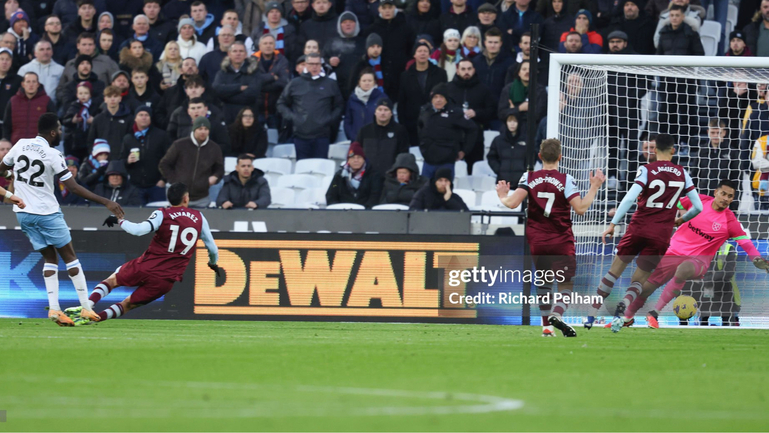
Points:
[[52, 285], [81, 286]]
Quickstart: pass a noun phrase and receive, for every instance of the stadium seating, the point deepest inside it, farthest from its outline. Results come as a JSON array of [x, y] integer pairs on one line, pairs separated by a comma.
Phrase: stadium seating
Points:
[[390, 206], [311, 196], [481, 168], [284, 151], [338, 152], [316, 166], [297, 181], [475, 183], [488, 137], [230, 162], [346, 206], [460, 169], [468, 196], [281, 197], [272, 136], [158, 204], [416, 152], [710, 35]]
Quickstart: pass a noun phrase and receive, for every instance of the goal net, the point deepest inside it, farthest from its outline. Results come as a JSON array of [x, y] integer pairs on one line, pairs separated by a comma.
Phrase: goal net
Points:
[[607, 110]]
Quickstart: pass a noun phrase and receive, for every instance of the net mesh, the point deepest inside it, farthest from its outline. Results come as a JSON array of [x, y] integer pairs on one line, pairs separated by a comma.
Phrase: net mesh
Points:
[[608, 117]]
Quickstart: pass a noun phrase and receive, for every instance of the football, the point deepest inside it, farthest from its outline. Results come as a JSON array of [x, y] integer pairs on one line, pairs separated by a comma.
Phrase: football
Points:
[[685, 307]]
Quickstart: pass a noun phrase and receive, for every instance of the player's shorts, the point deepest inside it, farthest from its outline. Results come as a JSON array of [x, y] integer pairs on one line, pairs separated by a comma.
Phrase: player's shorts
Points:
[[649, 250], [44, 230], [557, 256], [150, 287], [669, 264]]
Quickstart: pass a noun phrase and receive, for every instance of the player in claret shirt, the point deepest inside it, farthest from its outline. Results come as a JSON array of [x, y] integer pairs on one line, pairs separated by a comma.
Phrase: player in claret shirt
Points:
[[551, 195], [691, 250], [658, 186], [177, 230]]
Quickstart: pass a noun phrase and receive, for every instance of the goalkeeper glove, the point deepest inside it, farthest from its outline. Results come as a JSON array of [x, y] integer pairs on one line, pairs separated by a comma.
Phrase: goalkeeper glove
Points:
[[760, 263], [214, 267], [111, 221]]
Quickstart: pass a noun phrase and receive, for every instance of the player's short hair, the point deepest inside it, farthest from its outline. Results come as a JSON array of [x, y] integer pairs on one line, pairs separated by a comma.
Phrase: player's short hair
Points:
[[152, 1], [665, 142], [106, 32], [47, 123], [139, 71], [716, 123], [81, 3], [550, 150], [175, 193], [112, 91], [727, 182], [243, 156], [198, 3]]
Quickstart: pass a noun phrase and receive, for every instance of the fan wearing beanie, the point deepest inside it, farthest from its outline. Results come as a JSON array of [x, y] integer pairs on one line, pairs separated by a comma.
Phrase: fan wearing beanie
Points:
[[356, 182], [449, 54], [438, 193], [95, 166]]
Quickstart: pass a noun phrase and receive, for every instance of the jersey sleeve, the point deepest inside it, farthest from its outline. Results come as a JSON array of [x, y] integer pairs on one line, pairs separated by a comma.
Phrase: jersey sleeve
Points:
[[208, 239], [59, 166], [737, 233], [145, 227], [524, 181], [570, 189], [688, 183], [155, 220], [684, 203], [642, 176]]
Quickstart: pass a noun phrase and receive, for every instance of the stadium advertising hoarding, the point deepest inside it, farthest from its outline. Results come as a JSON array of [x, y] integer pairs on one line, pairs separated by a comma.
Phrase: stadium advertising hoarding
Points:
[[296, 277]]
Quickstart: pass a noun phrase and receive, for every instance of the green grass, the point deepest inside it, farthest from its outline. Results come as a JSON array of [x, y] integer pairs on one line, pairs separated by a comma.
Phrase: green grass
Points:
[[127, 375]]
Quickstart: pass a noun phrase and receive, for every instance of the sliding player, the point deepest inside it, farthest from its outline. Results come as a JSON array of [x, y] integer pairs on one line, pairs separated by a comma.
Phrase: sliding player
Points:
[[691, 250], [551, 195], [36, 164], [658, 186], [177, 230]]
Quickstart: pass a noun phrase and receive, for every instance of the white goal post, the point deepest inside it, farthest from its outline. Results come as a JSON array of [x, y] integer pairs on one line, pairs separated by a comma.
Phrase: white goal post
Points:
[[605, 108]]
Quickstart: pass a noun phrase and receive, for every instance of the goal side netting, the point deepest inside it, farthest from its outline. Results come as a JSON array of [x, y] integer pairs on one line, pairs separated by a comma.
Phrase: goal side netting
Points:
[[606, 110]]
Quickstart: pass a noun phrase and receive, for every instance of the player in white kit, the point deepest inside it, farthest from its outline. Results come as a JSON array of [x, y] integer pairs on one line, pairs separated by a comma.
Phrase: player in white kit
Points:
[[35, 164]]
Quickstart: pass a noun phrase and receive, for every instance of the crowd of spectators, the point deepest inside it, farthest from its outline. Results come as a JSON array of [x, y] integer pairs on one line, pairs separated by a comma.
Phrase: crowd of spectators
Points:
[[151, 92]]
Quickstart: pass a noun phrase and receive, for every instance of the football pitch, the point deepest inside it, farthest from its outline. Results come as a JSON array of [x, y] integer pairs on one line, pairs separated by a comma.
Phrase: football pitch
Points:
[[127, 375]]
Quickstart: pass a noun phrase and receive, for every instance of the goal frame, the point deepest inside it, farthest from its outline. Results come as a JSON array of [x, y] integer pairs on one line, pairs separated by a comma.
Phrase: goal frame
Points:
[[559, 60]]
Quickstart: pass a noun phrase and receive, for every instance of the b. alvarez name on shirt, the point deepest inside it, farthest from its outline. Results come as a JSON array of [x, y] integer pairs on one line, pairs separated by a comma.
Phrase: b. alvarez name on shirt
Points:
[[668, 169], [700, 232], [183, 214], [551, 180]]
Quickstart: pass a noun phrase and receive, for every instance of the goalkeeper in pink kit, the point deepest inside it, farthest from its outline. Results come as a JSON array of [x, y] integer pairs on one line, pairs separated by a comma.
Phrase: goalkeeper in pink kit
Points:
[[691, 250]]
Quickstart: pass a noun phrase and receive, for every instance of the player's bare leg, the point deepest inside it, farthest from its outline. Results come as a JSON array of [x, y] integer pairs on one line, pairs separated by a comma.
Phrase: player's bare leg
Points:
[[633, 292], [76, 274], [51, 279], [684, 272], [565, 289], [618, 266]]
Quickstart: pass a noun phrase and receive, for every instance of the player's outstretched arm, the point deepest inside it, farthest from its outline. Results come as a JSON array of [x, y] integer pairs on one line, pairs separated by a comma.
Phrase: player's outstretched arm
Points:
[[582, 204], [694, 210], [208, 239], [78, 189], [145, 227], [511, 201]]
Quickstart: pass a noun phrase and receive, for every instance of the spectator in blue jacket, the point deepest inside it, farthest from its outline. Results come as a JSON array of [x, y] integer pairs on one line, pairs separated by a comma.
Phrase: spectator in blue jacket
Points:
[[362, 103]]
